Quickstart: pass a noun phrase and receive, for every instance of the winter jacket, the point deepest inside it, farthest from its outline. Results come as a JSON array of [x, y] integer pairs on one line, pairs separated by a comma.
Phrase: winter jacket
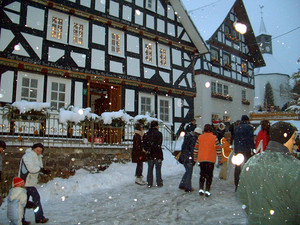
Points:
[[226, 150], [190, 127], [16, 202], [269, 187], [30, 167], [0, 162], [137, 154], [207, 151], [187, 149], [264, 137], [152, 142], [243, 138]]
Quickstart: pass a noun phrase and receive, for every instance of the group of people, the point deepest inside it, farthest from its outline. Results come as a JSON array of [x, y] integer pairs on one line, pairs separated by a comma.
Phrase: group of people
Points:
[[266, 179], [24, 193]]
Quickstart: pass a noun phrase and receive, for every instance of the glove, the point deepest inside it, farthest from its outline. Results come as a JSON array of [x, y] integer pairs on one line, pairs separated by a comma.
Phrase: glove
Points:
[[30, 205], [45, 171]]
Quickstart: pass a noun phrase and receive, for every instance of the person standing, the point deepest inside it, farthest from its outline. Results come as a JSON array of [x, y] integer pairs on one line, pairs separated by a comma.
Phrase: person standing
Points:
[[16, 202], [262, 139], [191, 126], [187, 157], [226, 150], [243, 144], [152, 142], [138, 154], [269, 182], [30, 166], [206, 156]]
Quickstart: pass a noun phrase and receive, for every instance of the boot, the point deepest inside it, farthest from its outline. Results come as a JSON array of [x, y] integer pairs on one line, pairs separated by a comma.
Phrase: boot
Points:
[[140, 181]]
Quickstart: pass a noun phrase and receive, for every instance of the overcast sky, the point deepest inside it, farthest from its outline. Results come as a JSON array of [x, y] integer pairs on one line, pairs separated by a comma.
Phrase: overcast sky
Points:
[[280, 17]]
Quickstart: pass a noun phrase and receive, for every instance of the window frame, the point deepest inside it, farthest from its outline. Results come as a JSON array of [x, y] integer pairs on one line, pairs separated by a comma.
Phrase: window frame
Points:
[[145, 95], [85, 31], [150, 5], [122, 41], [67, 92], [170, 106], [145, 61], [65, 18], [167, 51], [40, 85]]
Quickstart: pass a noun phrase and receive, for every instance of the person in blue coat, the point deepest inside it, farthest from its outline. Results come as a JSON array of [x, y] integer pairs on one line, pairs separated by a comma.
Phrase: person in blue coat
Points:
[[187, 158]]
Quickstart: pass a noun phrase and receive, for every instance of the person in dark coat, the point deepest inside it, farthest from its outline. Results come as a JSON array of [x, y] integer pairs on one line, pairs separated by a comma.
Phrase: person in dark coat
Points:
[[191, 126], [187, 157], [152, 142], [243, 144], [269, 181], [138, 154]]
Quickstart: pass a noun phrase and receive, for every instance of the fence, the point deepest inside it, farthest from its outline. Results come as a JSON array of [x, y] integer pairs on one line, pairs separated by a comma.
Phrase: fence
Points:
[[25, 129]]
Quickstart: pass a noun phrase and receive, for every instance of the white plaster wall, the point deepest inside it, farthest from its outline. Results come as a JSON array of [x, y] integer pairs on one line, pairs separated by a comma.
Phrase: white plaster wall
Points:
[[150, 21], [275, 80], [100, 5], [148, 73], [177, 106], [78, 99], [139, 18], [165, 76], [86, 3], [13, 17], [6, 90], [79, 58], [5, 38], [114, 8], [176, 57], [15, 6], [115, 67], [133, 67], [139, 3], [171, 29], [127, 13], [98, 36], [129, 100], [35, 43], [98, 59], [205, 105], [55, 54], [160, 25], [133, 44], [35, 18]]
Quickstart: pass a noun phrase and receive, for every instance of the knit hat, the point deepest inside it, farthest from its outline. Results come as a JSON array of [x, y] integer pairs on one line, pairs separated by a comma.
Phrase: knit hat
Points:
[[18, 182], [244, 118], [198, 130], [281, 132]]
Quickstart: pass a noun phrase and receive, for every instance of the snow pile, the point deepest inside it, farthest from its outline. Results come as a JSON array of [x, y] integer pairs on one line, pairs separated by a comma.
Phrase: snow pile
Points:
[[25, 106], [76, 115], [117, 174], [147, 118], [108, 117]]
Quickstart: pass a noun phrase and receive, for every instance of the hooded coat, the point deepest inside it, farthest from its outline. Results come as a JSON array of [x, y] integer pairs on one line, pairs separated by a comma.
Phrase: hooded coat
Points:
[[138, 155], [16, 201], [269, 187], [30, 166], [243, 138], [187, 149], [152, 142]]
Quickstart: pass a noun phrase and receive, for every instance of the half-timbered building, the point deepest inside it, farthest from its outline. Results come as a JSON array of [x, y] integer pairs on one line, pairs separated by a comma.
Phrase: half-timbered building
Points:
[[136, 55], [225, 76]]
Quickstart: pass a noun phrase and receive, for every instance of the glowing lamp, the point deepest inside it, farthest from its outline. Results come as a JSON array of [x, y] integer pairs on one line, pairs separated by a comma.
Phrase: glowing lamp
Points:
[[240, 27], [238, 159]]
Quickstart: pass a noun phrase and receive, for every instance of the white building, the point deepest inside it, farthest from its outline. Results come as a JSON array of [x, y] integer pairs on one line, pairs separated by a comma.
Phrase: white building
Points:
[[274, 73], [225, 76]]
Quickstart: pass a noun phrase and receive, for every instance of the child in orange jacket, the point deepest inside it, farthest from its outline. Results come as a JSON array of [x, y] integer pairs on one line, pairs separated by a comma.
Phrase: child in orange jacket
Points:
[[226, 150]]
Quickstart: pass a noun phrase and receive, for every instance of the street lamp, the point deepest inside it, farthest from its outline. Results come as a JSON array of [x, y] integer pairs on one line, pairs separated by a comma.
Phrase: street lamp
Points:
[[240, 27]]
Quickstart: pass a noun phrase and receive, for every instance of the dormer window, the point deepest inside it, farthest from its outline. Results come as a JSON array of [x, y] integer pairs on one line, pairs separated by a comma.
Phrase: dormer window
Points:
[[214, 54]]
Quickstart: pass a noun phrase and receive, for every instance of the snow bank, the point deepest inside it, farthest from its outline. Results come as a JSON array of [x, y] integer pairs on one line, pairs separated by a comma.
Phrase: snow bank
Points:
[[25, 106]]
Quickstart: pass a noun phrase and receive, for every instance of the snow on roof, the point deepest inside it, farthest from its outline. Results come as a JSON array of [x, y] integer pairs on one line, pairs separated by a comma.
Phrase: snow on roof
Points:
[[272, 66], [209, 15]]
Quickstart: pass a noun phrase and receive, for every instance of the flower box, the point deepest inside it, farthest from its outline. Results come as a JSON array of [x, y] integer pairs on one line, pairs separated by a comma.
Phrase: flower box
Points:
[[245, 102], [220, 96]]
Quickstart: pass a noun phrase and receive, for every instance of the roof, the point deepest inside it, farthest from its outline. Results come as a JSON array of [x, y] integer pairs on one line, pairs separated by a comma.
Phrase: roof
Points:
[[189, 26], [272, 66], [211, 14]]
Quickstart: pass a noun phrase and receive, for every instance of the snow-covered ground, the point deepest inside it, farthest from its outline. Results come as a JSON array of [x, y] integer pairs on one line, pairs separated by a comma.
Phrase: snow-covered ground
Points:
[[112, 197]]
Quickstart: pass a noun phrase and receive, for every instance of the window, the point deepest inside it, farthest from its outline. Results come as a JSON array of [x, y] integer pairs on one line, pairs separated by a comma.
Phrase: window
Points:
[[220, 88], [145, 105], [149, 52], [165, 109], [227, 30], [244, 67], [29, 89], [214, 55], [116, 42], [226, 60], [244, 94], [150, 4], [226, 118], [57, 27], [58, 92], [225, 90], [163, 56], [78, 32], [213, 87]]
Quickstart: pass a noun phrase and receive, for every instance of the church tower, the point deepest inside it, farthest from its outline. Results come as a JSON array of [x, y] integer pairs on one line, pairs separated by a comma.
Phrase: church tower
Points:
[[264, 40]]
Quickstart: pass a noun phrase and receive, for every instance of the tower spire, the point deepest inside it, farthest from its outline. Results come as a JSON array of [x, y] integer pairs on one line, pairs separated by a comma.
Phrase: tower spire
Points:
[[262, 28]]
